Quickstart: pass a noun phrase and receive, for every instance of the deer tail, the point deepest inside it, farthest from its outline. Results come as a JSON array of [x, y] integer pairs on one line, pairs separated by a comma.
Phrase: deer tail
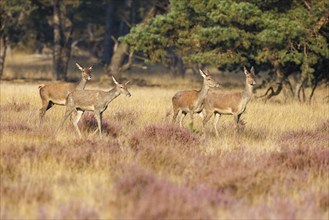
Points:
[[41, 86]]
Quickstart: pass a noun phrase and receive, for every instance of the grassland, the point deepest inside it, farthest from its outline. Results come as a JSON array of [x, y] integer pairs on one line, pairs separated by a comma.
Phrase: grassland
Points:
[[145, 167]]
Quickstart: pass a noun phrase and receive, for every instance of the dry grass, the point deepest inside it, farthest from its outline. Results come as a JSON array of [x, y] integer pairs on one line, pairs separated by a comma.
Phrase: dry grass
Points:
[[144, 167]]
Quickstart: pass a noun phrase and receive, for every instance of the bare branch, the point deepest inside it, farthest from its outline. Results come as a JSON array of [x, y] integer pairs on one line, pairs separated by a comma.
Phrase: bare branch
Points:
[[307, 5], [127, 65]]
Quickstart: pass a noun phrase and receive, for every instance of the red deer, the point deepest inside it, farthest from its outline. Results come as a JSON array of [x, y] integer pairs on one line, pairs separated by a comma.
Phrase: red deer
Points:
[[192, 101], [56, 93], [229, 103], [96, 101]]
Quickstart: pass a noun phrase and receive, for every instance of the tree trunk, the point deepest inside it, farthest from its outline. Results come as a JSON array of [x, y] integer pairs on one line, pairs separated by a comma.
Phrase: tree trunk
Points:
[[57, 51], [118, 58], [109, 32], [300, 88], [125, 22], [63, 28], [3, 49], [176, 65], [66, 49], [317, 79], [276, 89]]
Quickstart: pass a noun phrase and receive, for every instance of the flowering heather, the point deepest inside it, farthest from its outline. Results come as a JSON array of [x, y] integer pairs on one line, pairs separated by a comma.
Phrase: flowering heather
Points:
[[75, 210], [305, 149], [89, 123], [14, 127], [125, 117], [164, 135], [143, 167], [140, 194]]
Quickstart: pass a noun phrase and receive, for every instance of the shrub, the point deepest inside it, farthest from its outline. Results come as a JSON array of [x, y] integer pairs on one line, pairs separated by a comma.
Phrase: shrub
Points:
[[140, 194], [74, 210], [165, 148], [164, 135], [239, 172], [305, 149], [89, 123], [15, 127], [125, 117]]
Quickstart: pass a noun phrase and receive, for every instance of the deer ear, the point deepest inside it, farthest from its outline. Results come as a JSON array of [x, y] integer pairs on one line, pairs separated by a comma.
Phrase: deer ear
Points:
[[127, 82], [245, 70], [252, 70], [91, 67], [114, 80], [202, 74], [207, 72], [79, 66]]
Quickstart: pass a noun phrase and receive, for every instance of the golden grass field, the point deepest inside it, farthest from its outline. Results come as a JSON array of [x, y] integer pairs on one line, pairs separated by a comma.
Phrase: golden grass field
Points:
[[145, 167]]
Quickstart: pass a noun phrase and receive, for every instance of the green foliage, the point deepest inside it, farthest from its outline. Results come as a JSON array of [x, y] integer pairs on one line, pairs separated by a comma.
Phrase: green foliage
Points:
[[13, 18], [227, 33]]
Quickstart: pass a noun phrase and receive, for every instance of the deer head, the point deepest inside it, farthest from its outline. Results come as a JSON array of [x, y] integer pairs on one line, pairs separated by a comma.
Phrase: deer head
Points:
[[207, 79], [86, 72], [250, 76], [122, 88]]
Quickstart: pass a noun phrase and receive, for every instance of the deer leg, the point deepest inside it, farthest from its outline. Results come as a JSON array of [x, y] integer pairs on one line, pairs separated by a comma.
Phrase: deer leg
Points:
[[182, 118], [206, 119], [68, 112], [217, 116], [98, 116], [191, 117], [237, 119], [75, 121], [201, 114], [45, 106], [176, 111], [73, 115]]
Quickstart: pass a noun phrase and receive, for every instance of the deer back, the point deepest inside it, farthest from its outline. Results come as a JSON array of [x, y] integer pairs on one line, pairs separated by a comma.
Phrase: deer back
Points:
[[227, 103], [57, 92], [185, 99]]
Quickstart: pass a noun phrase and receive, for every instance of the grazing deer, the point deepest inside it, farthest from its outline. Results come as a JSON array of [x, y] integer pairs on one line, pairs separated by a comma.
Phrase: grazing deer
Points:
[[229, 103], [96, 101], [191, 101], [56, 93]]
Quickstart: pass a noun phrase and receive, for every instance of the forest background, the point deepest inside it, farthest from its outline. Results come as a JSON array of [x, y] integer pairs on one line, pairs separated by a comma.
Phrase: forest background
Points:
[[275, 167], [283, 38]]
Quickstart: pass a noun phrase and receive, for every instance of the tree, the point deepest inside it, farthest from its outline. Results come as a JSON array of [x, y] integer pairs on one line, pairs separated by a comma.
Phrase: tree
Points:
[[109, 32], [63, 30], [277, 34], [293, 43], [12, 16], [120, 17]]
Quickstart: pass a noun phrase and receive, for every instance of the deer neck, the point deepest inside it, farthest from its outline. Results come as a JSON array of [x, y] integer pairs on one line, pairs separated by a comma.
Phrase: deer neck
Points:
[[81, 85], [201, 96], [112, 94], [247, 92]]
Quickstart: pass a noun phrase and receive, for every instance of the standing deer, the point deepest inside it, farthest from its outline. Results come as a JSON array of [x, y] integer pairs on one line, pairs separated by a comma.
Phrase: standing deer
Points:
[[229, 103], [56, 93], [96, 101], [192, 101]]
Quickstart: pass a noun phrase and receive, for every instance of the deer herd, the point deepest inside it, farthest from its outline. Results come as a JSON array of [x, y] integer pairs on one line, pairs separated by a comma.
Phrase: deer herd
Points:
[[78, 100]]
